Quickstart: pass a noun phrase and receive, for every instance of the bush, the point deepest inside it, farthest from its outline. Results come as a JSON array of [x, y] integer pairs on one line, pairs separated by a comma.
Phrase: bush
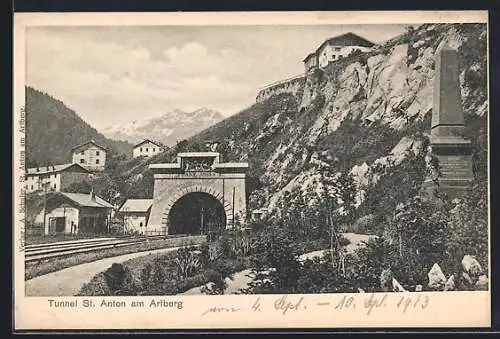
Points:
[[276, 253], [120, 280], [96, 287], [467, 231], [186, 262], [367, 224]]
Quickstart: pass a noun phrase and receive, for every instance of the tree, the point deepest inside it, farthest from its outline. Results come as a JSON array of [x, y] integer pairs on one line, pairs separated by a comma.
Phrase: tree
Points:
[[275, 263], [467, 231], [418, 228]]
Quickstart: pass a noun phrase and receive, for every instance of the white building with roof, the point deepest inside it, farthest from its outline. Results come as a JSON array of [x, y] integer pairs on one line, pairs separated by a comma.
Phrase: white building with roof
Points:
[[135, 213], [54, 178], [90, 155], [76, 213], [147, 148], [335, 48]]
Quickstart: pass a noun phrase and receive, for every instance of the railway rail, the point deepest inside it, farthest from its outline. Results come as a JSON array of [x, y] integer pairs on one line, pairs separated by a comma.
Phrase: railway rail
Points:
[[37, 252]]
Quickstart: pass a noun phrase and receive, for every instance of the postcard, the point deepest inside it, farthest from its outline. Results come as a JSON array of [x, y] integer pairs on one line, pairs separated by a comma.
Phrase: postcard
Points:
[[249, 170]]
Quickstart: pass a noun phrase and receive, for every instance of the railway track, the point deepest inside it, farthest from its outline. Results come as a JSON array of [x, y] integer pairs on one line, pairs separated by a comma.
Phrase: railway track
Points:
[[37, 252]]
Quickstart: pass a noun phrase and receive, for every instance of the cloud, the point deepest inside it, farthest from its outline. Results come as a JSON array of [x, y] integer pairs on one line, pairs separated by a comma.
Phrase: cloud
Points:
[[111, 75], [108, 83]]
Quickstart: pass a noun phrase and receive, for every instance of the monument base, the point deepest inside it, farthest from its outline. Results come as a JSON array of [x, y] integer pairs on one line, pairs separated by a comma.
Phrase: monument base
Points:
[[454, 158], [450, 188]]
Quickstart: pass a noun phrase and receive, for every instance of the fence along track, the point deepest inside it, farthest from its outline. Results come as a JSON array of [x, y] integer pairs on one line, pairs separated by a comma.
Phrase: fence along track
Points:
[[47, 251]]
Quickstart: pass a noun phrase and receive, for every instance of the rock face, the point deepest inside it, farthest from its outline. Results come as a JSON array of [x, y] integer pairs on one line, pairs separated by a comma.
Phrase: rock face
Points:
[[437, 279], [472, 267], [366, 115], [482, 283], [450, 284], [396, 286], [386, 280]]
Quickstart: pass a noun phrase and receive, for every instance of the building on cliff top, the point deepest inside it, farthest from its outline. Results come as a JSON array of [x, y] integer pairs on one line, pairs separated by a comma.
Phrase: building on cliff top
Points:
[[333, 49]]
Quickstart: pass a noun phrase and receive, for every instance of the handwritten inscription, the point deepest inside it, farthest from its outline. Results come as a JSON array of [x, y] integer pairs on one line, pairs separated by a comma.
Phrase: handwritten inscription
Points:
[[221, 310], [284, 305], [368, 303]]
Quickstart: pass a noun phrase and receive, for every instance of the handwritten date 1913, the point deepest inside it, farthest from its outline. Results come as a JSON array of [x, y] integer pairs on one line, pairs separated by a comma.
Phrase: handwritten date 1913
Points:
[[406, 302]]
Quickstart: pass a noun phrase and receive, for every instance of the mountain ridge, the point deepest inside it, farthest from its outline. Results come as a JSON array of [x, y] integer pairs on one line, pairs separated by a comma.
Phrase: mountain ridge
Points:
[[167, 128], [367, 115], [52, 129]]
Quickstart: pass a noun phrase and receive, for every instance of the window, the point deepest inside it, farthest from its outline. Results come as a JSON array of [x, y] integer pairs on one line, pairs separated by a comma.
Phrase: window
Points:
[[31, 187], [154, 149], [337, 49], [97, 161], [55, 186], [141, 149], [82, 161], [147, 149], [82, 152], [140, 225], [96, 152]]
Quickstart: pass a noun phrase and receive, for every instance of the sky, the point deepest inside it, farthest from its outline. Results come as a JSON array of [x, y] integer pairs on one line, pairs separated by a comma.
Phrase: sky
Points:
[[116, 74]]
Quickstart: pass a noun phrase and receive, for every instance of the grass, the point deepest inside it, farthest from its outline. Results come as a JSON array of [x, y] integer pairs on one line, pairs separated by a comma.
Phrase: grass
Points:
[[35, 269], [47, 239], [173, 286]]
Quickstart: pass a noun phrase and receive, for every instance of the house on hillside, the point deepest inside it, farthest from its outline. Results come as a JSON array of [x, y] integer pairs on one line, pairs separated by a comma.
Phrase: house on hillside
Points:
[[147, 148], [333, 49], [54, 178], [75, 213], [135, 213], [90, 155]]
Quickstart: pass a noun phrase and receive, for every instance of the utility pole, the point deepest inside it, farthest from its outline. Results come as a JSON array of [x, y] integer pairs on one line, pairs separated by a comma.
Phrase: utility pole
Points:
[[44, 184], [201, 218], [234, 188]]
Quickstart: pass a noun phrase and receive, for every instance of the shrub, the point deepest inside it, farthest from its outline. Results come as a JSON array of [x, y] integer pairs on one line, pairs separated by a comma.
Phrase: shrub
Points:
[[96, 287], [417, 232], [119, 279], [145, 276], [275, 253], [241, 244], [467, 231], [186, 262]]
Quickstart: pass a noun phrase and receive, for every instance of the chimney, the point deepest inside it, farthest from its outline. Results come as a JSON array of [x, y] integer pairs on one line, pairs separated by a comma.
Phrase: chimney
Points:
[[92, 194]]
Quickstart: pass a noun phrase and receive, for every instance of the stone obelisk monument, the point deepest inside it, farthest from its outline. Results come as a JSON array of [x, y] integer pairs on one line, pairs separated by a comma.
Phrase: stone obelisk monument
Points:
[[450, 148]]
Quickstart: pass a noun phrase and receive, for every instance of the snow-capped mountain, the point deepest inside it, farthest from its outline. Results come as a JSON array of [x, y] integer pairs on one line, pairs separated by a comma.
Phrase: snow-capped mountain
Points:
[[167, 128]]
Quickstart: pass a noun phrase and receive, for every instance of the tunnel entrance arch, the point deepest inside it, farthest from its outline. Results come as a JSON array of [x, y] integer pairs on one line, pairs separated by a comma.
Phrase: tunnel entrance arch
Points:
[[197, 213], [219, 185]]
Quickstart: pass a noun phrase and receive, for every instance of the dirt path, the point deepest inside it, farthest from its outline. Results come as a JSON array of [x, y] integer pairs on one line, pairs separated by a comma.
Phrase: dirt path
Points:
[[69, 281], [243, 278]]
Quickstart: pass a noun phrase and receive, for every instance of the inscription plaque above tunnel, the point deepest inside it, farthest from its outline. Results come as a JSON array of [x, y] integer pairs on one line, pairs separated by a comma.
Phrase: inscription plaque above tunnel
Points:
[[197, 194]]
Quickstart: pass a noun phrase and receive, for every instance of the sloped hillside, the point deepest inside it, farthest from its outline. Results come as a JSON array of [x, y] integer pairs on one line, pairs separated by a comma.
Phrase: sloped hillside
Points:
[[367, 114], [52, 129]]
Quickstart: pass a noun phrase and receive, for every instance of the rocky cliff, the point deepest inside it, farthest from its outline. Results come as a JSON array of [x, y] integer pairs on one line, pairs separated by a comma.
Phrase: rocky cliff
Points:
[[367, 114]]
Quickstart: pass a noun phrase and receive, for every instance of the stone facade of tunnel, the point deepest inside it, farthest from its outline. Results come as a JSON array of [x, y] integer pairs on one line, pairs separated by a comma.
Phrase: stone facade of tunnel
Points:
[[197, 172]]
